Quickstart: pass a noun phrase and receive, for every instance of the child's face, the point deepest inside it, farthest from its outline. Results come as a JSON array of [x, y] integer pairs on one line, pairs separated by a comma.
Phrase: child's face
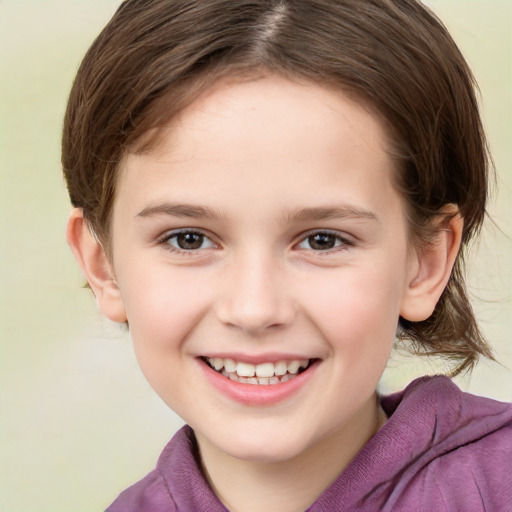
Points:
[[265, 229]]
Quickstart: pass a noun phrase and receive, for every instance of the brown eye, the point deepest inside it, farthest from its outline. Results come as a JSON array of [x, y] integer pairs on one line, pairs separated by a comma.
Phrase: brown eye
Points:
[[322, 241], [188, 241]]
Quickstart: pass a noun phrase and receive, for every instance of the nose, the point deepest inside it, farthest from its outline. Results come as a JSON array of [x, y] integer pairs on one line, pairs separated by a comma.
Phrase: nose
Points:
[[255, 297]]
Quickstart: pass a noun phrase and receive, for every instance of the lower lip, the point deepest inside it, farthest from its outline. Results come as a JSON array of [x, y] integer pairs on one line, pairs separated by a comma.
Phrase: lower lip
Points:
[[257, 394]]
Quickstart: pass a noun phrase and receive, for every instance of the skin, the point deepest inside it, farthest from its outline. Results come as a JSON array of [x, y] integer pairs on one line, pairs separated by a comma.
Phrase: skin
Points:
[[256, 168]]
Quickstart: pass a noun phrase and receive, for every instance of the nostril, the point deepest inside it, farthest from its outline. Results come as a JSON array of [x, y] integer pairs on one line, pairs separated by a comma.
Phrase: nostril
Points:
[[251, 320]]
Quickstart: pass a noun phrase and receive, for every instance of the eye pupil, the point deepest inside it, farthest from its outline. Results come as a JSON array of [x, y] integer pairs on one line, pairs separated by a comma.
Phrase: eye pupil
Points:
[[190, 240], [322, 241]]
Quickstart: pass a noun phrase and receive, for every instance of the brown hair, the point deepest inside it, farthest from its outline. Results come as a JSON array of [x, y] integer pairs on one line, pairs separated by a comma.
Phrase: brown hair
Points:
[[154, 57]]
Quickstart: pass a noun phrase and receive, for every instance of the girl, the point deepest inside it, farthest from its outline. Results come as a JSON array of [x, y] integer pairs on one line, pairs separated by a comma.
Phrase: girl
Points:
[[269, 192]]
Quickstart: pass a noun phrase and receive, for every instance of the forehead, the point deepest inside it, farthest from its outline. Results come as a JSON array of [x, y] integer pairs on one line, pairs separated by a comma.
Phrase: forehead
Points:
[[264, 137], [286, 106]]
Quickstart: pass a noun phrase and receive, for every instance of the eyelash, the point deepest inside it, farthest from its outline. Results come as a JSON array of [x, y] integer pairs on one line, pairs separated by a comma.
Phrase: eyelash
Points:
[[165, 241], [343, 242]]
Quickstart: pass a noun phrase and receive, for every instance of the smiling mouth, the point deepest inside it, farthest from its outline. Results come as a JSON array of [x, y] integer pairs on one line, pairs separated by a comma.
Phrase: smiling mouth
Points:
[[259, 374]]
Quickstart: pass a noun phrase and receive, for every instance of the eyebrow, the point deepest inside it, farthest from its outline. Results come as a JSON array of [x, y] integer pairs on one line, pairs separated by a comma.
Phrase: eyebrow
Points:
[[330, 212], [301, 215], [180, 210]]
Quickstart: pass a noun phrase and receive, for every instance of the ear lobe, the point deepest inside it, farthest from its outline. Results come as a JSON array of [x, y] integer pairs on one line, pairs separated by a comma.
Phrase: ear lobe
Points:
[[432, 269], [95, 265]]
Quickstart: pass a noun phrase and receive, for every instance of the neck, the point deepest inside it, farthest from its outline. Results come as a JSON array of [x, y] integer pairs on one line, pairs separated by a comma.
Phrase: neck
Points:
[[290, 485]]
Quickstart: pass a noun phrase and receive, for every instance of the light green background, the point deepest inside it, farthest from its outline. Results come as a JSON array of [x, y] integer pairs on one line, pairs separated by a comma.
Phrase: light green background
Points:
[[78, 422]]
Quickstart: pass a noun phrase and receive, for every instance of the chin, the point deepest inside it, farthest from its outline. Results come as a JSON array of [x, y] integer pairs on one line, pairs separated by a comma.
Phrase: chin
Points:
[[265, 449]]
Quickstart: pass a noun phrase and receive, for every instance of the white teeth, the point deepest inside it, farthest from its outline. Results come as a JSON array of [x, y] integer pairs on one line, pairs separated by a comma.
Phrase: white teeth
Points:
[[245, 369], [265, 370], [293, 367], [280, 368], [217, 363], [263, 374], [229, 365]]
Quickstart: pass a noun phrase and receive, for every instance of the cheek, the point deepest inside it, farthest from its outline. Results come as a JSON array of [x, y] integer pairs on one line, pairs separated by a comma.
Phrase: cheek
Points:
[[358, 311], [163, 307], [162, 315]]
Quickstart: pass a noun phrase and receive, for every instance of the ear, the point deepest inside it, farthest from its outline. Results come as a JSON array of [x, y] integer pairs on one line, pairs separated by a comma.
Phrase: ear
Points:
[[95, 265], [431, 267]]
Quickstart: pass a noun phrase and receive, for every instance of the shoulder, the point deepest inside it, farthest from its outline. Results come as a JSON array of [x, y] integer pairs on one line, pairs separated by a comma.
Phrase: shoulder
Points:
[[152, 493], [176, 485], [473, 465], [441, 449], [464, 456], [436, 410], [148, 495]]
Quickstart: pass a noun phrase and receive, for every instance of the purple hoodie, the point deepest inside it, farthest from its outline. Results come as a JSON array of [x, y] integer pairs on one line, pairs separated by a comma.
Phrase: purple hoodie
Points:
[[440, 450]]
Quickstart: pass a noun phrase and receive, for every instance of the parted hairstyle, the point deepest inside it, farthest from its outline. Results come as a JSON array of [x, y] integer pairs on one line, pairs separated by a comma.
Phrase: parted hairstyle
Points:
[[394, 56]]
